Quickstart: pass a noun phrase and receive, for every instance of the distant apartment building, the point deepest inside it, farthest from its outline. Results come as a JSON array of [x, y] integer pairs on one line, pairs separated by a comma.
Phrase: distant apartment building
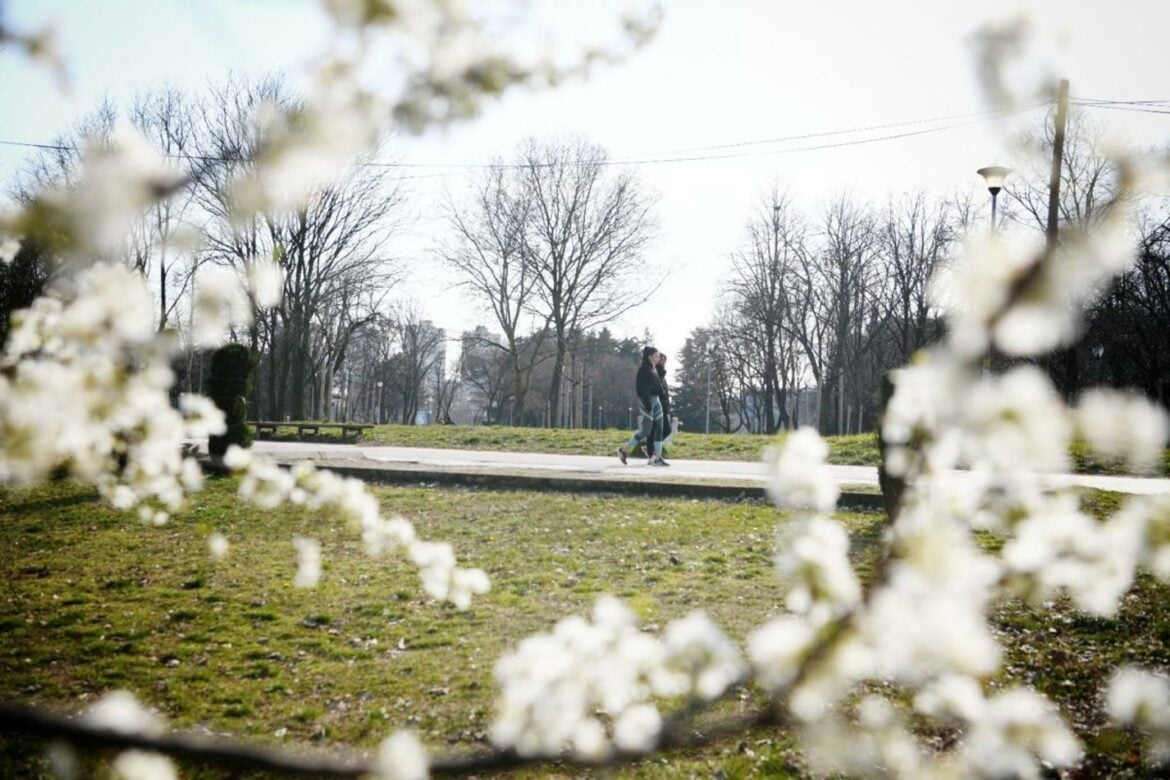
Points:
[[473, 400]]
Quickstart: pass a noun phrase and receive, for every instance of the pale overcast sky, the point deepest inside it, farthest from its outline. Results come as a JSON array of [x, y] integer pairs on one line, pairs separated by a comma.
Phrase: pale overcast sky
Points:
[[716, 74]]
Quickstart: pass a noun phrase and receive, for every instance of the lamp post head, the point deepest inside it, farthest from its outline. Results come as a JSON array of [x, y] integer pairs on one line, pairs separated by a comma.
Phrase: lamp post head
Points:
[[994, 176]]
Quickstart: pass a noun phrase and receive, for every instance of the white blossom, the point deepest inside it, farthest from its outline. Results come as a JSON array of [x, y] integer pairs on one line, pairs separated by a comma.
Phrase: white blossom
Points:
[[777, 648], [798, 478], [700, 660], [237, 458], [1015, 422], [812, 561], [9, 247], [951, 698], [466, 583], [120, 711], [1141, 698], [203, 417], [1058, 547], [219, 303], [552, 686], [142, 765], [1123, 425], [1016, 729], [308, 562], [116, 180], [972, 290], [218, 546], [401, 756], [636, 729], [265, 282]]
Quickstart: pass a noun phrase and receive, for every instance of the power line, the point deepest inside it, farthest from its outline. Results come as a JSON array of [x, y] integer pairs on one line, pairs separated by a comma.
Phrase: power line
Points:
[[681, 156], [1117, 107], [1121, 102], [805, 136]]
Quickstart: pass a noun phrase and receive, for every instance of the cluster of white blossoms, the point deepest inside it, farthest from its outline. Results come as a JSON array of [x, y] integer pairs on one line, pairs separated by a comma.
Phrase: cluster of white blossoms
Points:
[[797, 475], [1141, 699], [85, 378], [120, 712], [1122, 426], [9, 248], [971, 447], [267, 486], [399, 757], [588, 688], [117, 180], [84, 383]]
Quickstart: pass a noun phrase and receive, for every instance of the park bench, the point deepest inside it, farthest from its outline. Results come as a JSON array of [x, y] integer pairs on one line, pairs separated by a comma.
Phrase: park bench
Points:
[[269, 427]]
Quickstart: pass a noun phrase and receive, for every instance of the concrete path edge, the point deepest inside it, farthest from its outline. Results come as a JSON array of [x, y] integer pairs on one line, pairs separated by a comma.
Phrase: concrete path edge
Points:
[[386, 475]]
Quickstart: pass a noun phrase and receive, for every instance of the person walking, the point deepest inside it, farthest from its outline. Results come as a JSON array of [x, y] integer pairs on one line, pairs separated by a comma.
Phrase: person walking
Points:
[[639, 438], [649, 391], [667, 420]]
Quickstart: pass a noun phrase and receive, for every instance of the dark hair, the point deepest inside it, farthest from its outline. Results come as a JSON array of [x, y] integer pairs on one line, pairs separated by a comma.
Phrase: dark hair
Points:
[[647, 351]]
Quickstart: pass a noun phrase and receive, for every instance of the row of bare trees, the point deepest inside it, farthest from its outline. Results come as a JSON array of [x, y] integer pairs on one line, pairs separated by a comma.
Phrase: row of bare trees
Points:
[[811, 311], [551, 243], [815, 310]]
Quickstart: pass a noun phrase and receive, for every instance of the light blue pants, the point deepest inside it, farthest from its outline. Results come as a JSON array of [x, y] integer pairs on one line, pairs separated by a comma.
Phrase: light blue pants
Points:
[[649, 426]]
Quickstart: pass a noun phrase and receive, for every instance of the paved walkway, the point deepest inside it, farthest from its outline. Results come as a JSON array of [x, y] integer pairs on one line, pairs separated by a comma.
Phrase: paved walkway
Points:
[[609, 468]]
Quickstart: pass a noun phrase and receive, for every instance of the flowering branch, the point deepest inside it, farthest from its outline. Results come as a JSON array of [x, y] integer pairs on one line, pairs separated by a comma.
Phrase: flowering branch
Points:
[[230, 754]]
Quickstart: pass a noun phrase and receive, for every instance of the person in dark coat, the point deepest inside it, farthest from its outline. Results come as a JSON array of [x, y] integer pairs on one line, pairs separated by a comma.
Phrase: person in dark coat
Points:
[[649, 390], [639, 438], [665, 397]]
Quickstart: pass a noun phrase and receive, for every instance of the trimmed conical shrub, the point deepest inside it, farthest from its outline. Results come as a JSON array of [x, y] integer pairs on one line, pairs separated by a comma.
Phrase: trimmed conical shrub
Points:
[[230, 384]]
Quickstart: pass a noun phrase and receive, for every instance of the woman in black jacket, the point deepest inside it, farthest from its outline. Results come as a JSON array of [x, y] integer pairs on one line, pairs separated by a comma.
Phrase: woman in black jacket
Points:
[[649, 390]]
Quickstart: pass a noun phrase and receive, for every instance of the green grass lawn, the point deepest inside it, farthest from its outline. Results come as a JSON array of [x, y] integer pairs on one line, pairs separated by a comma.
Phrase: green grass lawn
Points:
[[93, 601]]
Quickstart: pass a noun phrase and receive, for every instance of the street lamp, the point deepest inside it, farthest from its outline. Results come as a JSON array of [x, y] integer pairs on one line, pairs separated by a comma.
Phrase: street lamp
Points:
[[629, 416], [378, 418], [994, 176]]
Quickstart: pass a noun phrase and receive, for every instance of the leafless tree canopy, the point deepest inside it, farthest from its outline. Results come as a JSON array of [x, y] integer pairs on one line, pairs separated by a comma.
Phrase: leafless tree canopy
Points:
[[486, 250], [333, 251], [587, 228], [557, 238]]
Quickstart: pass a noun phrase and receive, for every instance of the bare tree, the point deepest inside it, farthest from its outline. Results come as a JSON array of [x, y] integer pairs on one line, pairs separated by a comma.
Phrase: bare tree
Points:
[[166, 118], [586, 229], [56, 165], [333, 251], [759, 289], [1088, 189], [915, 236], [1088, 179], [833, 312], [487, 251], [417, 363]]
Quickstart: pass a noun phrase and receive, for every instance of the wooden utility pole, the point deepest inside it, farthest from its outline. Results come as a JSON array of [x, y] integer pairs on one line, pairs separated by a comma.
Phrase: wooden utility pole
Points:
[[1069, 353], [1057, 156]]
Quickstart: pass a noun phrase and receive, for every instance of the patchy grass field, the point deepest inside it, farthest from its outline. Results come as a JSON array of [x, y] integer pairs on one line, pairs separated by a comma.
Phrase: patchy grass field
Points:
[[857, 450], [94, 601]]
